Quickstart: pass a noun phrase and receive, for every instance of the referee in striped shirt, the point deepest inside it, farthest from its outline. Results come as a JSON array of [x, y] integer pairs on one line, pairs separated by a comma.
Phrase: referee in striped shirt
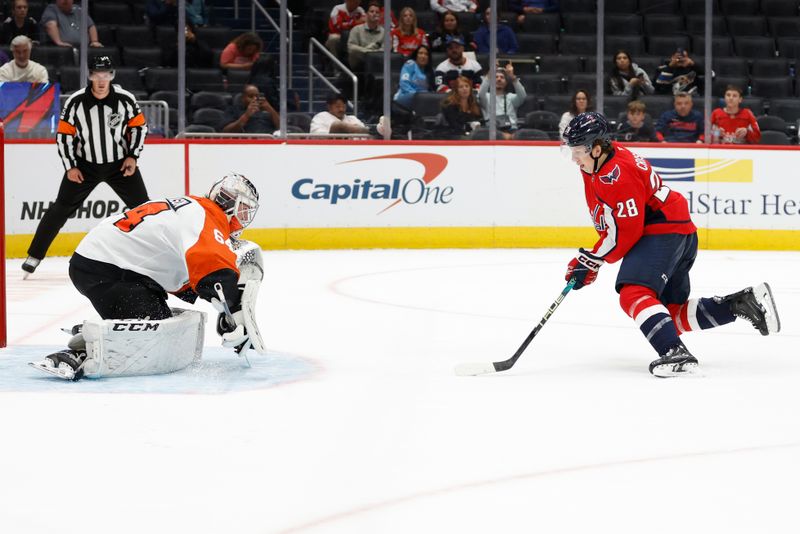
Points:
[[100, 136]]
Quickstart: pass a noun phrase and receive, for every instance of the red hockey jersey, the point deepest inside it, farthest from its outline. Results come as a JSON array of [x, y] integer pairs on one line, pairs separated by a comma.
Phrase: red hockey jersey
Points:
[[725, 125], [627, 199]]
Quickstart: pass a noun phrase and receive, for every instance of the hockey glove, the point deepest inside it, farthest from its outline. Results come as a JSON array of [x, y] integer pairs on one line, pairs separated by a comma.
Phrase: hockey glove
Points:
[[232, 335], [583, 268]]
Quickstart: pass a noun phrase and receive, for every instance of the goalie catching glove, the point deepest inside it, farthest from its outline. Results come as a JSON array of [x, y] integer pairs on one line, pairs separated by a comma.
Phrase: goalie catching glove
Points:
[[233, 335], [583, 268]]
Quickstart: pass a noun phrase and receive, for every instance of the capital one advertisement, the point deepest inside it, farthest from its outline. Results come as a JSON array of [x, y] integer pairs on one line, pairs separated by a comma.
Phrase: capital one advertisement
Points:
[[304, 186]]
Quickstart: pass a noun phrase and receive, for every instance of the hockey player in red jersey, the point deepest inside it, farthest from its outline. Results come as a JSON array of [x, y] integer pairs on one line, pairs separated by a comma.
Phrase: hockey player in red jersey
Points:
[[127, 264], [645, 224]]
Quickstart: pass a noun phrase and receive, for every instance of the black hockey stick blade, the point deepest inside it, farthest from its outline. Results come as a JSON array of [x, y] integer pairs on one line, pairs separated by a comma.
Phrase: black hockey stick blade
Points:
[[474, 369]]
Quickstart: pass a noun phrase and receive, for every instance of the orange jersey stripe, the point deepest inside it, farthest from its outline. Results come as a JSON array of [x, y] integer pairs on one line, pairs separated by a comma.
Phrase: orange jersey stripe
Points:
[[66, 128], [210, 253], [138, 120]]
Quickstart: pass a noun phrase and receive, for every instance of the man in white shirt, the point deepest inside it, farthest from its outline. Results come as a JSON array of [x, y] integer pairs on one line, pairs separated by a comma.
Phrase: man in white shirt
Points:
[[21, 68], [336, 120]]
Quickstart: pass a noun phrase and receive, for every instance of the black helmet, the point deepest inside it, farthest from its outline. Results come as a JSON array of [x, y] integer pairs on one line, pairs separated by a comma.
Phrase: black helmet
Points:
[[585, 129], [101, 63]]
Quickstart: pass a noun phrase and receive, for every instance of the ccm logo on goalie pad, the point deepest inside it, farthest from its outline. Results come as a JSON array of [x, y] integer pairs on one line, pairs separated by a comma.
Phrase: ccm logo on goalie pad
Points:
[[134, 327]]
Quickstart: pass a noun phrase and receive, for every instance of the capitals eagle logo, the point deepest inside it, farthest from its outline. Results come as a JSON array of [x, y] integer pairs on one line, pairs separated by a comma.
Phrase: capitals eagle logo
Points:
[[611, 177]]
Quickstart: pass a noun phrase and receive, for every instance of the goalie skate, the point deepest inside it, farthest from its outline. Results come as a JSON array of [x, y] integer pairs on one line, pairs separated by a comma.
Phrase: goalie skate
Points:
[[65, 364]]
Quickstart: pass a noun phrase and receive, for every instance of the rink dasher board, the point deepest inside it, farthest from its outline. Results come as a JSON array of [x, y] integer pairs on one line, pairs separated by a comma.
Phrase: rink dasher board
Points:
[[436, 195]]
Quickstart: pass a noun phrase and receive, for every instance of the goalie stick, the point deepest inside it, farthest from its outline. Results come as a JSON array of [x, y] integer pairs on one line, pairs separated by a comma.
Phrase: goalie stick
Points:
[[241, 350], [473, 369]]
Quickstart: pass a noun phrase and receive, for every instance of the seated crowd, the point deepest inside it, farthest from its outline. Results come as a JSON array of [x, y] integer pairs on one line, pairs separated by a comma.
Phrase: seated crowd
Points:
[[538, 78], [649, 101]]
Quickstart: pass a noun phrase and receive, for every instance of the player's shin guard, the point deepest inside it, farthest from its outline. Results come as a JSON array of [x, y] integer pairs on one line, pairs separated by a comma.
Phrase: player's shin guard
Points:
[[700, 314], [652, 317]]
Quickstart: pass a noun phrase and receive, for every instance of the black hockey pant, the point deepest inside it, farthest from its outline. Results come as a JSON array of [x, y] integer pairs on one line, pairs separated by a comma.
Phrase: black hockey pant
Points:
[[118, 293], [71, 195]]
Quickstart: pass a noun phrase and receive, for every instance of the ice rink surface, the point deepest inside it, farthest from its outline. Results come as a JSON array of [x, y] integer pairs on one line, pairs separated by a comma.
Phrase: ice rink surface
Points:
[[355, 422]]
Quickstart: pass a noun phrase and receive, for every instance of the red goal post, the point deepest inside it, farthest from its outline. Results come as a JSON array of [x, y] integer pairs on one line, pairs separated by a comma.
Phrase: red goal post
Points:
[[3, 336]]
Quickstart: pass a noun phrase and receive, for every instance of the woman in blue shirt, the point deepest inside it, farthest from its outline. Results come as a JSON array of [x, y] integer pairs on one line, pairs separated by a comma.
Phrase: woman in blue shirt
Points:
[[416, 76]]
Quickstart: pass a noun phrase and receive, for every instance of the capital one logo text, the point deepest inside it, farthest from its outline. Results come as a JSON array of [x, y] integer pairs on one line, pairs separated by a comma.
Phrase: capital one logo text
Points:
[[399, 190]]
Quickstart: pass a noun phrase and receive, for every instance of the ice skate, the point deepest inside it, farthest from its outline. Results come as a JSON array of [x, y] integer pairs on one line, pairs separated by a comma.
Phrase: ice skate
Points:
[[755, 305], [678, 361], [65, 364], [29, 265]]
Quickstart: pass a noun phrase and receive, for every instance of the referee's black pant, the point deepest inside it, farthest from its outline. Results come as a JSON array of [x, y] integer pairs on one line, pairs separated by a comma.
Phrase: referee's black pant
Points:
[[71, 195]]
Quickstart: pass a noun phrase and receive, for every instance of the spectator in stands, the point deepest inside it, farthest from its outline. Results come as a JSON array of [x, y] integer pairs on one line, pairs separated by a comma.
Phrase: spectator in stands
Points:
[[456, 64], [21, 68], [447, 29], [197, 12], [251, 113], [637, 127], [506, 39], [262, 75], [19, 23], [343, 18], [507, 103], [416, 76], [627, 78], [581, 101], [733, 123], [367, 37], [456, 6], [62, 23], [198, 53], [524, 8], [336, 119], [461, 111], [678, 74], [682, 124], [407, 37], [242, 52]]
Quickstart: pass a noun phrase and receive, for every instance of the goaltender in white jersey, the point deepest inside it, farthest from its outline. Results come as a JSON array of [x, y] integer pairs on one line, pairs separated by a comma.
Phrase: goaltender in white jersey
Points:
[[127, 265]]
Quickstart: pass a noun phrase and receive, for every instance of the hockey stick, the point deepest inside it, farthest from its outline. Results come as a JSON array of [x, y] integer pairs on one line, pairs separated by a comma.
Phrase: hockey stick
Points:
[[473, 369]]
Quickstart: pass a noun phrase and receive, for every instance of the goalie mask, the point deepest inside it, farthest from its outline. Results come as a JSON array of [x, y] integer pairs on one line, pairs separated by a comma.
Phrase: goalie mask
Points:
[[238, 198]]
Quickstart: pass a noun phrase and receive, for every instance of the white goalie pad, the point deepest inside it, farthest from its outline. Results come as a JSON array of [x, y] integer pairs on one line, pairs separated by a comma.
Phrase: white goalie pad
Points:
[[248, 259], [249, 296], [132, 347]]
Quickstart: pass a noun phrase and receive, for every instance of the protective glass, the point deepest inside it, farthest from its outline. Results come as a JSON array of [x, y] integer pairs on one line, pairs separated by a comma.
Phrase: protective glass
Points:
[[101, 76]]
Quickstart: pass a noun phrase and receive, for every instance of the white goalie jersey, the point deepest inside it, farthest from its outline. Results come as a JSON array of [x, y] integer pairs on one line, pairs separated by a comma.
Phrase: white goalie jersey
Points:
[[174, 241]]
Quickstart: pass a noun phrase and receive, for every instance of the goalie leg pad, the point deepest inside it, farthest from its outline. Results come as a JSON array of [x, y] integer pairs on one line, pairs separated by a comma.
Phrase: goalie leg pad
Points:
[[132, 347], [249, 296]]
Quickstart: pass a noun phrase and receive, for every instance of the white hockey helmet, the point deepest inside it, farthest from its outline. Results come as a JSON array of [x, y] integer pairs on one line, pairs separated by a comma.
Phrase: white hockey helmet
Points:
[[238, 198]]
